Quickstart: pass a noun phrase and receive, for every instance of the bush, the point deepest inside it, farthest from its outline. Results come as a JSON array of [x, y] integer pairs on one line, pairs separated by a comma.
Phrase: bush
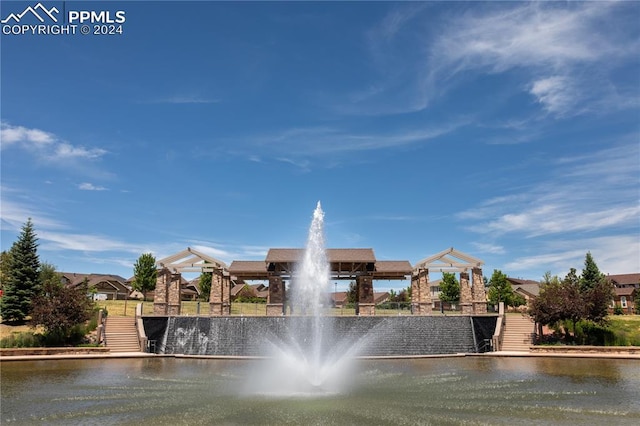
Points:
[[591, 333], [618, 310], [25, 339]]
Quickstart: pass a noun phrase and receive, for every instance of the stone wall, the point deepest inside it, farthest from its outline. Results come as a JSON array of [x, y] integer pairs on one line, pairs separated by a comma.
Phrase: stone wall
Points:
[[379, 336]]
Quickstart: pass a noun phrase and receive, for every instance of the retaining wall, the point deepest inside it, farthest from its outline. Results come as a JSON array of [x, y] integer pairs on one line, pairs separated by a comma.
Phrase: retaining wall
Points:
[[374, 336]]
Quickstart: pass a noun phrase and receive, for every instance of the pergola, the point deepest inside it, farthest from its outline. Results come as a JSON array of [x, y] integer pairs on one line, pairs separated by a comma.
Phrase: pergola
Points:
[[472, 298], [357, 264], [360, 265], [167, 294]]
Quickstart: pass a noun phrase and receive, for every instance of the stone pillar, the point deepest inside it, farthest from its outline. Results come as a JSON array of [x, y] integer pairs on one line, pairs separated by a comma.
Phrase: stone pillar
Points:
[[275, 302], [479, 294], [217, 294], [421, 293], [160, 294], [366, 299], [466, 299], [174, 293], [226, 294]]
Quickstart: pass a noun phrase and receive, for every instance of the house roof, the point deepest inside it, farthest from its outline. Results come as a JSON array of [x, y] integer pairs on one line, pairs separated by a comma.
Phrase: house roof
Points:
[[528, 287], [625, 291], [624, 279], [293, 255]]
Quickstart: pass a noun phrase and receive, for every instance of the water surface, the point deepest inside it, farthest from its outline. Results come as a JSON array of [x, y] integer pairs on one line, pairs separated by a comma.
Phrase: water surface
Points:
[[443, 391]]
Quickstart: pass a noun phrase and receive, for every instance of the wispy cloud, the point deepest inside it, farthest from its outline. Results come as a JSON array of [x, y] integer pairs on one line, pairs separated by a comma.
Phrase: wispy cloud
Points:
[[614, 255], [565, 202], [569, 52], [558, 44], [183, 99], [314, 141], [45, 145], [86, 186]]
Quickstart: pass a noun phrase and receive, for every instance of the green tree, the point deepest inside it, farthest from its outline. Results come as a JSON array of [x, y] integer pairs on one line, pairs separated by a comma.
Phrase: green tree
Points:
[[500, 289], [145, 274], [352, 293], [596, 291], [22, 283], [449, 288], [60, 310], [5, 267], [49, 275], [591, 275], [204, 284]]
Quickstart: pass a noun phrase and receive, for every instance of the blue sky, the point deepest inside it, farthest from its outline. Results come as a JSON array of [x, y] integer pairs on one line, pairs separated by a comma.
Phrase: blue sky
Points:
[[507, 130]]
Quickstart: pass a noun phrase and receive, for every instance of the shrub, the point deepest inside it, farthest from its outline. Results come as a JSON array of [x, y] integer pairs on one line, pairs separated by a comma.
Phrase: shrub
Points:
[[25, 339], [618, 310]]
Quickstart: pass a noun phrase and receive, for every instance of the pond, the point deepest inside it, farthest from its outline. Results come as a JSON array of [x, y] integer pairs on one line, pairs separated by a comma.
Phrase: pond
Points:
[[447, 391]]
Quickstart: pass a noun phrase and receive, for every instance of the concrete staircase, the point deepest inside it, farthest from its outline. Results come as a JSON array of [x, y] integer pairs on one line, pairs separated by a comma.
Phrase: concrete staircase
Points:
[[517, 333], [121, 334]]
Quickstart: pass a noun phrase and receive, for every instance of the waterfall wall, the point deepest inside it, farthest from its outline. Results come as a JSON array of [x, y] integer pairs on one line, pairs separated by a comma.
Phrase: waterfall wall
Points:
[[380, 336]]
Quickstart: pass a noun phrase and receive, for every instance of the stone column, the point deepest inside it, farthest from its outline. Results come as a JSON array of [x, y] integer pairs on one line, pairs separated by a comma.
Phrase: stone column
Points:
[[466, 299], [366, 299], [479, 294], [275, 302], [216, 294], [226, 294], [160, 294], [174, 293], [421, 293]]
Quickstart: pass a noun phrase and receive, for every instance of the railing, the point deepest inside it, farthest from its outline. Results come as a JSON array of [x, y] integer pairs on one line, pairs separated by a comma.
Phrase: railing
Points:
[[142, 336]]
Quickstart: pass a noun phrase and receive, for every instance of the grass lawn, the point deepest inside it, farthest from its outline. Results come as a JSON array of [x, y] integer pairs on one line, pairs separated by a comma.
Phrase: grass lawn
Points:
[[118, 308], [627, 326]]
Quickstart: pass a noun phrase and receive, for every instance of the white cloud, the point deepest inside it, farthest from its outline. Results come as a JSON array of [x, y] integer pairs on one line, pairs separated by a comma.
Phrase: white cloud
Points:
[[45, 145], [65, 150], [590, 193], [567, 50], [86, 186], [15, 214], [18, 134], [184, 99], [555, 94], [489, 248], [613, 254]]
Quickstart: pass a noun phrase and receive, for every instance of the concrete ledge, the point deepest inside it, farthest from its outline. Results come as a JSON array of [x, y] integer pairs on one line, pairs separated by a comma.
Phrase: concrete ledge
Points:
[[561, 349], [52, 351]]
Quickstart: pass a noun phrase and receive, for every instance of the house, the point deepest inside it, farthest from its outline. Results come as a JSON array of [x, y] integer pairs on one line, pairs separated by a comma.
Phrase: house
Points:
[[625, 287], [103, 286], [528, 289]]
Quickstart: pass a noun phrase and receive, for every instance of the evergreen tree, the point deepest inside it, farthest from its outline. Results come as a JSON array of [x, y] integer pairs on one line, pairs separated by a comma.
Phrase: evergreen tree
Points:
[[591, 275], [145, 274], [23, 282], [5, 267], [449, 288], [596, 291]]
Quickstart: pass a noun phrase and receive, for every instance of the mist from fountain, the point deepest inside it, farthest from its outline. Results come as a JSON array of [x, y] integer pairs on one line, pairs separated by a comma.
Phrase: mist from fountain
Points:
[[311, 360]]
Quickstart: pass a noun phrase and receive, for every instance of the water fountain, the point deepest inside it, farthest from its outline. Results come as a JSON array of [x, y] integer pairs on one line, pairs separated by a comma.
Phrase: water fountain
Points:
[[310, 359]]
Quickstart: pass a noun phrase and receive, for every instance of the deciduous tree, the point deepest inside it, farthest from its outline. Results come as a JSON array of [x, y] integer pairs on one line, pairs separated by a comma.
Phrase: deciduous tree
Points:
[[60, 309], [500, 289], [449, 288], [204, 285], [145, 274]]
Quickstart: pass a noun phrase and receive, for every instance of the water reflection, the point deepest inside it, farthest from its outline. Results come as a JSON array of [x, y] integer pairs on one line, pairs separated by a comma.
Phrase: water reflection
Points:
[[473, 390]]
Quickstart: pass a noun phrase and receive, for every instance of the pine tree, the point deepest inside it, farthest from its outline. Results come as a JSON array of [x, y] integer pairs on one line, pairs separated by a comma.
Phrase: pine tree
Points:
[[591, 275], [23, 280], [597, 292]]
